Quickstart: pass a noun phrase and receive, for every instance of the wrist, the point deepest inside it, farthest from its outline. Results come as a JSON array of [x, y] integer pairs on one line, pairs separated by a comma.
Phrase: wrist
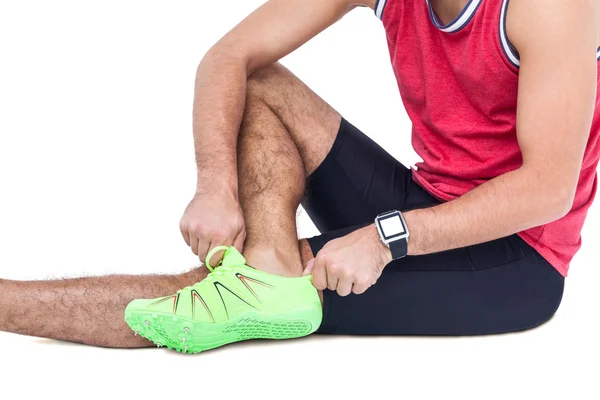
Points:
[[217, 185], [416, 243], [383, 251]]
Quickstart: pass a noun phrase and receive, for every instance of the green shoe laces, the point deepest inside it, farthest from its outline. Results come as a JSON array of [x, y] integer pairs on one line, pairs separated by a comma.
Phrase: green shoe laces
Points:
[[215, 271], [211, 254]]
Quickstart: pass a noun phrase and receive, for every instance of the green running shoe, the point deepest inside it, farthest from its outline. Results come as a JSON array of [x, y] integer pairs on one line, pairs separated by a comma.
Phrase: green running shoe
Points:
[[234, 302]]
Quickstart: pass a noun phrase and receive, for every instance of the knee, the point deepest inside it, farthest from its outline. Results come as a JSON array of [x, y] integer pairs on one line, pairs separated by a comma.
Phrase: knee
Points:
[[265, 81]]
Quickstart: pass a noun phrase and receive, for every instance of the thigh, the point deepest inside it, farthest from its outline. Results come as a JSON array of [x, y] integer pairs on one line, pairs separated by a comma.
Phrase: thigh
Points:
[[350, 178], [357, 181], [495, 287]]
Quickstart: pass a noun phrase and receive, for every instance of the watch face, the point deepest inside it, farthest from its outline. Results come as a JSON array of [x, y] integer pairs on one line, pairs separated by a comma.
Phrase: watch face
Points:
[[392, 226]]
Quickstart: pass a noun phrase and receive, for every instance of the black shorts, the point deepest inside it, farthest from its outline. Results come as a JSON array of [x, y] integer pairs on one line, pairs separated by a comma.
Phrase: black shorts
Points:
[[494, 287]]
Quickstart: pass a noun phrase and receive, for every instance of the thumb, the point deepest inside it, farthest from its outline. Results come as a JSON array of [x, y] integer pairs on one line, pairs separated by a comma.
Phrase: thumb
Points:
[[309, 267]]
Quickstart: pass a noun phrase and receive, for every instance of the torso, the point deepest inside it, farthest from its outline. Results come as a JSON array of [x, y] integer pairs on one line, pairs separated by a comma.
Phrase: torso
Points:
[[448, 10], [458, 76]]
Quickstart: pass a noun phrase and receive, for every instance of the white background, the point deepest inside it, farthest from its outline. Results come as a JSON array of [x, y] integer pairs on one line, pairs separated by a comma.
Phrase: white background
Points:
[[96, 167]]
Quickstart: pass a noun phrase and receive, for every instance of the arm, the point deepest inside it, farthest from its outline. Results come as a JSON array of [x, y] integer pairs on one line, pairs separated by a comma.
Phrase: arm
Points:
[[554, 116], [557, 42], [271, 32]]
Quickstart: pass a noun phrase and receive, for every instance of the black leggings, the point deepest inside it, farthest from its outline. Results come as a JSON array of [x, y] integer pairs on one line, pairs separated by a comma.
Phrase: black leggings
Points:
[[495, 287]]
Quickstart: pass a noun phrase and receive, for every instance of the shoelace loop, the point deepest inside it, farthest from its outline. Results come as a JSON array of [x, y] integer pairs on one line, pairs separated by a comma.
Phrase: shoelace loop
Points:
[[211, 254], [214, 271]]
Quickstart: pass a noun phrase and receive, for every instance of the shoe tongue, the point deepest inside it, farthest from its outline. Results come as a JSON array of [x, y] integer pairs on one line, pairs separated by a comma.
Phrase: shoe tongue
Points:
[[233, 258]]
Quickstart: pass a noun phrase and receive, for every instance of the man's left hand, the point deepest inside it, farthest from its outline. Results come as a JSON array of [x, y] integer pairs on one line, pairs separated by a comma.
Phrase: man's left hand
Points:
[[352, 263]]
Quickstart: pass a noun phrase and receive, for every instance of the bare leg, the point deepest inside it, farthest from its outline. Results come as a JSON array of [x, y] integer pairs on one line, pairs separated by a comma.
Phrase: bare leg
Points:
[[287, 132], [271, 176], [85, 310]]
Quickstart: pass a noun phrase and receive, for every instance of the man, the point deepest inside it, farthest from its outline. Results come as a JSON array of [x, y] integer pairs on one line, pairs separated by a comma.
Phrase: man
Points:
[[476, 240]]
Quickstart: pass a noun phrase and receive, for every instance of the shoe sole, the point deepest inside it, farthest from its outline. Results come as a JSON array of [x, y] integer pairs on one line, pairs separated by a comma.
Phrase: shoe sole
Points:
[[188, 336]]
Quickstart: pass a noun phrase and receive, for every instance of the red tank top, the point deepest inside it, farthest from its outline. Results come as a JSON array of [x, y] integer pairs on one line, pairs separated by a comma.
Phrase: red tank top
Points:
[[459, 85]]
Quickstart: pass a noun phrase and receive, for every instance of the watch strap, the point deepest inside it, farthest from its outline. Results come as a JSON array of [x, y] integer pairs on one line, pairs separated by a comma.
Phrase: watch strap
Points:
[[399, 248]]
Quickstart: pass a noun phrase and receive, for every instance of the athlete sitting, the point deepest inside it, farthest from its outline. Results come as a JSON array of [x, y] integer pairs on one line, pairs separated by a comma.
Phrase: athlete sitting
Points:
[[476, 240]]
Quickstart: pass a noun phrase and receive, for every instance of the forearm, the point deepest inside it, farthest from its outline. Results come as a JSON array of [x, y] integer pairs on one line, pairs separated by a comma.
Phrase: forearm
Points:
[[503, 206], [219, 100], [274, 30]]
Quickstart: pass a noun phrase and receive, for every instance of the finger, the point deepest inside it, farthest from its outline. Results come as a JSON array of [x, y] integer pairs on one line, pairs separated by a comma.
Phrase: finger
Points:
[[203, 249], [194, 242], [185, 234], [332, 280], [344, 287], [310, 266], [360, 288], [319, 275], [333, 275], [238, 243]]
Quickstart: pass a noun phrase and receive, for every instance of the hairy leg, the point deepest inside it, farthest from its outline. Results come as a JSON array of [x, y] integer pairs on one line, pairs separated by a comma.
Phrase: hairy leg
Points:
[[310, 121], [271, 185], [84, 310], [286, 132]]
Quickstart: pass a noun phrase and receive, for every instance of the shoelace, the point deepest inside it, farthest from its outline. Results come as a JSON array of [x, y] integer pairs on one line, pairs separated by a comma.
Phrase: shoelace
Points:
[[215, 271], [211, 254]]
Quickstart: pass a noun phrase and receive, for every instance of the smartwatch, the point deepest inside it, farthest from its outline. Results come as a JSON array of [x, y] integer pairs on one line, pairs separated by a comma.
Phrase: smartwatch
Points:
[[393, 233]]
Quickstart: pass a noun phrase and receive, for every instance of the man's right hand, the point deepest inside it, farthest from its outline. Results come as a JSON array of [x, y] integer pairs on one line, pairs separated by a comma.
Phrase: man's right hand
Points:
[[211, 220], [214, 219]]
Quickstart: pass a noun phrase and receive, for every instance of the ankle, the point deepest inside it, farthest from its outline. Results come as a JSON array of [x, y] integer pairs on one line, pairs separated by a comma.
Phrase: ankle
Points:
[[274, 261]]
